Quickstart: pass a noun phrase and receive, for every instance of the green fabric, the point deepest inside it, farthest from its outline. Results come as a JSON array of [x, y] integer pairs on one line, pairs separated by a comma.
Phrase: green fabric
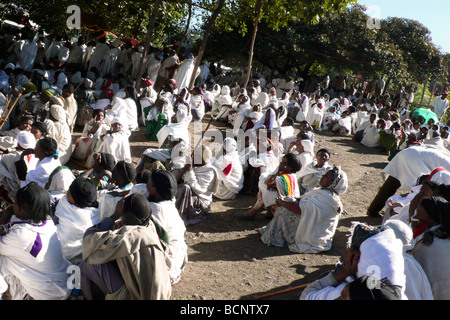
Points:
[[388, 141], [363, 232], [152, 127]]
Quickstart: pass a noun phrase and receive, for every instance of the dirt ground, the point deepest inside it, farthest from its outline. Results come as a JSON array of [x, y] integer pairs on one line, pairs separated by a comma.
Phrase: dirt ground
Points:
[[228, 261]]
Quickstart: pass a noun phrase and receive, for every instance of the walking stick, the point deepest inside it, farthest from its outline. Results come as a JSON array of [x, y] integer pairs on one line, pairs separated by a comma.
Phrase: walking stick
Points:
[[303, 286], [3, 120]]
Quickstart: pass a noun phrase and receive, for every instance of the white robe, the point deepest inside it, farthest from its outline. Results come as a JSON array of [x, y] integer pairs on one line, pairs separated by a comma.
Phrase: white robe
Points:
[[60, 131], [97, 56], [41, 172], [230, 175], [184, 73], [118, 145], [371, 137], [28, 55], [318, 221], [31, 262], [73, 222], [415, 161], [166, 215], [132, 115], [435, 261]]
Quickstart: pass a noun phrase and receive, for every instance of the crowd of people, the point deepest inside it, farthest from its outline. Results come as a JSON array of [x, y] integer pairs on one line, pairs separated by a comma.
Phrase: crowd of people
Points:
[[123, 224]]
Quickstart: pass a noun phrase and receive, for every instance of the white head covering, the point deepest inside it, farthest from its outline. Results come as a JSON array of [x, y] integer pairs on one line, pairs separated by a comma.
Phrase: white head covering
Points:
[[403, 232], [307, 145], [117, 120], [230, 145], [61, 180], [58, 112], [340, 182], [26, 140], [382, 256]]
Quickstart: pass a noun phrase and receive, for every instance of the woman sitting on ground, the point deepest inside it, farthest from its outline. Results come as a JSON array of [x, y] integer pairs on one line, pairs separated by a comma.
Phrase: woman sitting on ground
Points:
[[309, 225], [31, 260]]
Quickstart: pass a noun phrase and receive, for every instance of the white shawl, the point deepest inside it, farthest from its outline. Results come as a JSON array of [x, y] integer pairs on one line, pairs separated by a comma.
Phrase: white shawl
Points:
[[73, 222]]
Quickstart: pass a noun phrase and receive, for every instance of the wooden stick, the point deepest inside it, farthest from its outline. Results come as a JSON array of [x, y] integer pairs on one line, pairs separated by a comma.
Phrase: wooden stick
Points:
[[79, 163], [76, 88], [303, 286], [3, 120]]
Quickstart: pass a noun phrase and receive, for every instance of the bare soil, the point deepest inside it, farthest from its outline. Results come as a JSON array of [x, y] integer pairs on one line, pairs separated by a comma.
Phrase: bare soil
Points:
[[228, 261]]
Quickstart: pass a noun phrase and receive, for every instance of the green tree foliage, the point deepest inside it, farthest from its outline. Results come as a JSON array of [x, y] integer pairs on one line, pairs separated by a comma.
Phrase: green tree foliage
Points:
[[340, 42]]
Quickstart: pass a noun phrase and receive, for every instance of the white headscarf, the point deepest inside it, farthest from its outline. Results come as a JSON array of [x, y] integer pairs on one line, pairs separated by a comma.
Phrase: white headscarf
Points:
[[307, 145], [58, 112], [26, 140], [230, 145]]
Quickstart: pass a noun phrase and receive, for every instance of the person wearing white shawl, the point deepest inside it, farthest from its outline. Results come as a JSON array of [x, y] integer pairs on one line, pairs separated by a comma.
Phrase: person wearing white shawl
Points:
[[132, 108], [262, 99], [59, 130], [303, 105], [371, 135], [316, 113], [8, 139], [117, 109], [417, 286], [431, 249], [90, 138], [116, 141], [309, 225], [58, 183], [195, 193], [74, 214], [398, 207], [47, 153], [161, 190], [184, 71], [32, 266], [373, 252], [304, 148], [109, 60], [223, 108], [309, 176], [197, 104], [70, 105], [262, 158], [9, 180], [220, 99], [61, 81], [268, 121], [229, 171], [238, 115]]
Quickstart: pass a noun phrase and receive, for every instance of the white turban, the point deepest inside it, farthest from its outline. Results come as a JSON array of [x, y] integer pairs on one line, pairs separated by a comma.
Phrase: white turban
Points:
[[230, 145], [58, 112], [26, 140]]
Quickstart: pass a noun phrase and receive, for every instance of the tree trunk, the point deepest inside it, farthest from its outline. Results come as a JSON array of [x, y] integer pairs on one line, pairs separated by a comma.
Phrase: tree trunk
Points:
[[188, 25], [252, 45], [423, 91], [431, 94], [150, 27], [201, 50]]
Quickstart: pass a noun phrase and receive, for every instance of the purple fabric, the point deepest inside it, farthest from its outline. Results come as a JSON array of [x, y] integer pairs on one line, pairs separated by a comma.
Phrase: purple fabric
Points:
[[37, 246]]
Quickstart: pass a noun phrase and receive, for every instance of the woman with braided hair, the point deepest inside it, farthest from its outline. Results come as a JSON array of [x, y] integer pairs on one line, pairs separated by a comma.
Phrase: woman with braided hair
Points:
[[309, 225]]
